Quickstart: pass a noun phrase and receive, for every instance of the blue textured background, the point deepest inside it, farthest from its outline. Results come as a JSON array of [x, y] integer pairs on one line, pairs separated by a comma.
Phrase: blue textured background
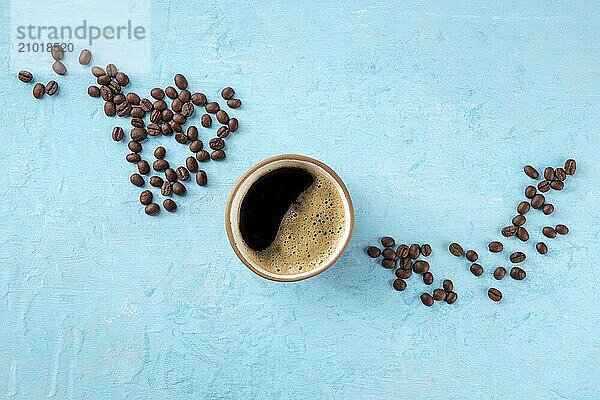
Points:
[[428, 111]]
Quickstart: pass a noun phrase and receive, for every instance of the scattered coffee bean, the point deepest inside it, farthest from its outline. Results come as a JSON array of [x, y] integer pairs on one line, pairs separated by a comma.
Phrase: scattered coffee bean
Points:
[[509, 231], [372, 251], [561, 229], [180, 81], [152, 209], [137, 180], [181, 138], [159, 105], [137, 123], [201, 178], [137, 112], [234, 103], [414, 251], [106, 93], [169, 205], [549, 173], [166, 189], [426, 250], [103, 80], [118, 134], [166, 115], [192, 133], [133, 157], [388, 263], [217, 155], [183, 174], [25, 76], [472, 255], [402, 251], [387, 241], [549, 232], [560, 174], [110, 109], [171, 92], [544, 186], [59, 68], [448, 285], [85, 57], [114, 87], [406, 263], [98, 71], [122, 79], [185, 96], [134, 146], [143, 167], [222, 116], [196, 146], [156, 181], [138, 134], [202, 156], [451, 298], [522, 234], [227, 93], [404, 273], [456, 249], [420, 267], [187, 110], [176, 105], [123, 109], [439, 294], [223, 132], [517, 257], [399, 284], [166, 129], [541, 247], [191, 164], [118, 99], [548, 209], [206, 120], [494, 294], [426, 299], [518, 273], [495, 247], [519, 220], [111, 70], [233, 124], [198, 99], [531, 172], [499, 273], [212, 107], [216, 144], [157, 93], [57, 52], [523, 208], [155, 117], [557, 185], [51, 88], [160, 165], [427, 277], [38, 90], [178, 189], [538, 201], [179, 119], [146, 197], [170, 174], [93, 91], [133, 98], [476, 269], [530, 191], [570, 167], [388, 252]]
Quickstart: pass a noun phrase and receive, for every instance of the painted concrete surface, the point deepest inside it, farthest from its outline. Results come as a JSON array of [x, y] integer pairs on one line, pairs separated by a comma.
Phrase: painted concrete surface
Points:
[[427, 111]]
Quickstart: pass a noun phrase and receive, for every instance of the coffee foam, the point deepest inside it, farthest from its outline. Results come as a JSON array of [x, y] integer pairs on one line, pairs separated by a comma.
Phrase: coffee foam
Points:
[[310, 231]]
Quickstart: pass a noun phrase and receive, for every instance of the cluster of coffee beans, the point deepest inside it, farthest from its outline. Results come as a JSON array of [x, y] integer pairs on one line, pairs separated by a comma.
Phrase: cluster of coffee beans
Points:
[[166, 120], [405, 260], [52, 87]]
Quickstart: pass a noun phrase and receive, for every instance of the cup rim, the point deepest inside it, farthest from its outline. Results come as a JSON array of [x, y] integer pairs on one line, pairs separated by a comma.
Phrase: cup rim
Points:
[[234, 192]]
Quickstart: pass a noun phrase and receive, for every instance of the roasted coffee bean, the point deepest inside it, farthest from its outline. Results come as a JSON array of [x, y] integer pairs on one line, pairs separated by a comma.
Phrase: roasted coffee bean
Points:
[[414, 251], [155, 117], [122, 79], [192, 133], [439, 295], [388, 263], [495, 247], [216, 144], [544, 186], [106, 93], [388, 252], [549, 173], [60, 69], [223, 132], [146, 105], [427, 278], [557, 185], [399, 285], [137, 112], [456, 249], [57, 52], [134, 146], [157, 93], [426, 250], [206, 120], [406, 263], [114, 87], [517, 257], [538, 201], [183, 174], [499, 273], [181, 138], [561, 229], [212, 107], [472, 255], [170, 205], [530, 191], [176, 105], [110, 109], [187, 110], [156, 181], [137, 180], [123, 109], [146, 197], [152, 209], [233, 124], [179, 119], [166, 115], [519, 220], [133, 157], [111, 70], [51, 88], [227, 93], [159, 105], [202, 156], [549, 232], [234, 103], [426, 299], [196, 146], [509, 231], [38, 90], [570, 166], [185, 96], [494, 294], [166, 129], [160, 165], [402, 251], [388, 241], [548, 209], [451, 298], [198, 99], [93, 91], [476, 269], [404, 273], [138, 134], [523, 208], [180, 81], [143, 167], [118, 99], [137, 123], [103, 80], [201, 178], [171, 92], [175, 127], [541, 247], [178, 189], [420, 267], [560, 174], [372, 251], [166, 189], [133, 98], [98, 71], [448, 285], [531, 172], [85, 57], [170, 174], [518, 273], [522, 234], [118, 134], [26, 76], [222, 116]]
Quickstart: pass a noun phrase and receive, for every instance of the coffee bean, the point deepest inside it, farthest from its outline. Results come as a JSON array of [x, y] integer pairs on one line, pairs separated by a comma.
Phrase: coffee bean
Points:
[[146, 105], [170, 174], [180, 81], [176, 105], [523, 208], [155, 117], [118, 134], [178, 189], [111, 70], [169, 205], [137, 123], [187, 110], [549, 232], [448, 285], [114, 87], [372, 251], [106, 93], [530, 191], [137, 180], [133, 98], [160, 165], [222, 116], [166, 189], [404, 273], [549, 173], [389, 252], [456, 249], [51, 88], [202, 156], [548, 209], [494, 294], [427, 278], [38, 90], [557, 185], [103, 80], [122, 79], [206, 120], [156, 181], [560, 174], [198, 99], [227, 93], [138, 134], [146, 197], [133, 157], [216, 144], [234, 103], [517, 257], [519, 220], [171, 92], [152, 209], [495, 247], [233, 124], [426, 250], [223, 132], [399, 285], [157, 93], [98, 71], [25, 76], [451, 298], [57, 52], [388, 263], [110, 109], [183, 174], [570, 166], [212, 107], [166, 115], [137, 112], [541, 247], [118, 99], [179, 119], [562, 229], [414, 251], [201, 178], [191, 164], [93, 91], [123, 109], [185, 96], [439, 295], [518, 273], [60, 69], [85, 57], [544, 186], [509, 231], [143, 167], [522, 234], [192, 133], [426, 299], [476, 269], [402, 251], [472, 255], [166, 129], [420, 267], [159, 105], [531, 172], [499, 273], [406, 263], [181, 138], [388, 241], [196, 146], [538, 201]]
